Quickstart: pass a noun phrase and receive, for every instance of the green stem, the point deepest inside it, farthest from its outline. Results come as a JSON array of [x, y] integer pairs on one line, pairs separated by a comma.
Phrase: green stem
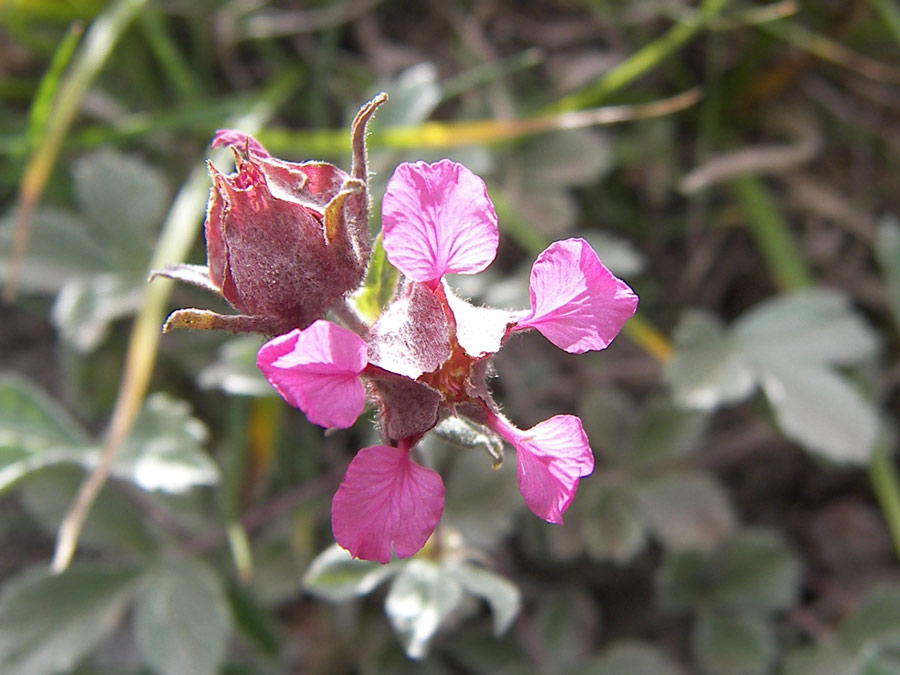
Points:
[[886, 484], [889, 14], [643, 60], [772, 234]]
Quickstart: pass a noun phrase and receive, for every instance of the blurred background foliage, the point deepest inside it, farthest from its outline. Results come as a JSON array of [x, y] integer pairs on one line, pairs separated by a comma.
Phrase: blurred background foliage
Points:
[[735, 161]]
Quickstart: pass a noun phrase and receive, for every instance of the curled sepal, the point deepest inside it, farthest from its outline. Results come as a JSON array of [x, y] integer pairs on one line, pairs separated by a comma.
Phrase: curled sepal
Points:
[[203, 319], [551, 457], [196, 275], [576, 302], [386, 501], [438, 219], [317, 370]]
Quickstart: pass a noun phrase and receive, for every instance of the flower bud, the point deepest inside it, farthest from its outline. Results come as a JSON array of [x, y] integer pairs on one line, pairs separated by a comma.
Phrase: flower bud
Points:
[[285, 241]]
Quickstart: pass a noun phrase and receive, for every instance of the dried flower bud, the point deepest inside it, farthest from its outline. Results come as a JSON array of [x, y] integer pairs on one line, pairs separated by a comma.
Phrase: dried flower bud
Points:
[[285, 241]]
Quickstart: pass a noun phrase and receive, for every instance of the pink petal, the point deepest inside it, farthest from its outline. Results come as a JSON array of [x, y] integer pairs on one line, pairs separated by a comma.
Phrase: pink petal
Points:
[[550, 459], [438, 219], [385, 501], [225, 138], [576, 302], [317, 370]]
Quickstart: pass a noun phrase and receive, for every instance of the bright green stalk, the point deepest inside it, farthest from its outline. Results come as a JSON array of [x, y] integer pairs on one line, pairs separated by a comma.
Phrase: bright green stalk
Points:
[[772, 233], [889, 14], [101, 38], [886, 484], [643, 60]]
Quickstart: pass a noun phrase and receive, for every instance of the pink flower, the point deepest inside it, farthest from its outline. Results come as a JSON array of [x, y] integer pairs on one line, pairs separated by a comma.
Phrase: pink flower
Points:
[[317, 370], [550, 459], [438, 219], [386, 501], [426, 358], [576, 302]]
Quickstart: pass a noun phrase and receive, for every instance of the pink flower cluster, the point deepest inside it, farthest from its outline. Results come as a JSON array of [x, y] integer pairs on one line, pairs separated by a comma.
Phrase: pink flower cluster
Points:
[[426, 358]]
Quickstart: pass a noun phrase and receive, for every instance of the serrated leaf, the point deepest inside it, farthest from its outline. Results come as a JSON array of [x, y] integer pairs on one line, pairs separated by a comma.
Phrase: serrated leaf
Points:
[[666, 433], [48, 623], [501, 594], [35, 431], [121, 196], [876, 617], [756, 570], [85, 308], [706, 370], [336, 576], [686, 510], [113, 523], [821, 410], [812, 326], [613, 527], [683, 581], [60, 248], [733, 644], [753, 571], [630, 657], [164, 449], [421, 598], [182, 620], [234, 371]]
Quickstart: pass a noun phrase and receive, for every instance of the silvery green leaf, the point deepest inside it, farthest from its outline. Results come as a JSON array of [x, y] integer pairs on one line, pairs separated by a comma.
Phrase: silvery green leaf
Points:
[[630, 657], [501, 594], [875, 618], [122, 197], [813, 326], [733, 643], [666, 433], [60, 248], [756, 570], [569, 158], [182, 619], [422, 596], [614, 527], [415, 93], [821, 410], [48, 622], [335, 575], [706, 369], [687, 511], [879, 659], [114, 522], [480, 502], [85, 307], [35, 431], [464, 433], [234, 371], [618, 254], [164, 450]]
